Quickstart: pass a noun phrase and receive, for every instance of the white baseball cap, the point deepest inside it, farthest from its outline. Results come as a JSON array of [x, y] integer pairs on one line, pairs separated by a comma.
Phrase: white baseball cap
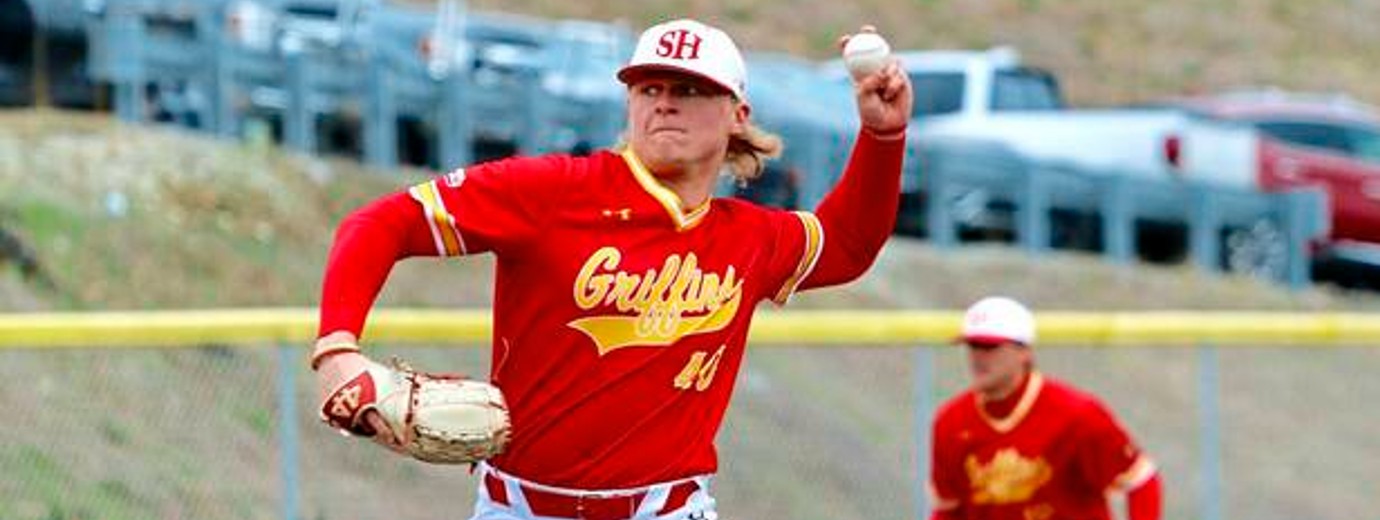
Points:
[[998, 319], [691, 47]]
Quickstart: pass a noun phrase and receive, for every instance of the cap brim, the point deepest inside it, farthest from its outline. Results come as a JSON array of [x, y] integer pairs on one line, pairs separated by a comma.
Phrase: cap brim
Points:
[[631, 73], [986, 339]]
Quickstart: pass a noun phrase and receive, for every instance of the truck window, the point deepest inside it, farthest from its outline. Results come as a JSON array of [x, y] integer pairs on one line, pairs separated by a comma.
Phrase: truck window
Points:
[[1360, 142], [1024, 89], [936, 93], [1316, 135], [1366, 141]]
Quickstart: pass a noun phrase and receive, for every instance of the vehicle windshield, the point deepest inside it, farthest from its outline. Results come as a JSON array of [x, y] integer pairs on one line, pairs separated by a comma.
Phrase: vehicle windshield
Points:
[[1024, 89], [1356, 141], [936, 93], [1367, 144]]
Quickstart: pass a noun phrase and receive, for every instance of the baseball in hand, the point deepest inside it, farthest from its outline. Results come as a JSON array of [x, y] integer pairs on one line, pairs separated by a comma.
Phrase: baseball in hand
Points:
[[864, 54]]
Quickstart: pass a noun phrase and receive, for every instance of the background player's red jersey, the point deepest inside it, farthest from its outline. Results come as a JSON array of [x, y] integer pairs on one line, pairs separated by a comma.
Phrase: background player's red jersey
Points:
[[1054, 456]]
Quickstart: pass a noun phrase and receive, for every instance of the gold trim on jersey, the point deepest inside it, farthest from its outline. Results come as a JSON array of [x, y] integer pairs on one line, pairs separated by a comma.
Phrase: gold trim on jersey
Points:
[[1140, 471], [814, 244], [684, 219], [1006, 424], [443, 231], [667, 304], [937, 501]]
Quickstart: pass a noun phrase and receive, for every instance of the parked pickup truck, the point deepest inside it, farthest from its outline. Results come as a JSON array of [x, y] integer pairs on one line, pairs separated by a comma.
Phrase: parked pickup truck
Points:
[[991, 97], [1293, 140]]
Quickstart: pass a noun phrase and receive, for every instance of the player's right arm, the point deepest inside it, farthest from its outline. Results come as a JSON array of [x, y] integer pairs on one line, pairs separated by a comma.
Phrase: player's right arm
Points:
[[367, 244], [452, 215], [489, 207]]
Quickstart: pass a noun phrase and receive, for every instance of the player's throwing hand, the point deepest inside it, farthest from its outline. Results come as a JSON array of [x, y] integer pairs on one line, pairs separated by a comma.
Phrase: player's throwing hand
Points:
[[884, 96]]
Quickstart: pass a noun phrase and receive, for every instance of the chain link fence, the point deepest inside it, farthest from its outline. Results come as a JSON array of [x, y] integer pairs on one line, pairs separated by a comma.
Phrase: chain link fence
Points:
[[813, 433]]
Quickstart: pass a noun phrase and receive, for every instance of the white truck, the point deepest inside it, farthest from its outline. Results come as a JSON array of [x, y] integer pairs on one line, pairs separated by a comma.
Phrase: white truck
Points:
[[989, 100]]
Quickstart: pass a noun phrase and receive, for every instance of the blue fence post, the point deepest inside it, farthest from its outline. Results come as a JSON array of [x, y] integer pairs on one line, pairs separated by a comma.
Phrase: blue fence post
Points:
[[456, 142], [381, 116], [1303, 215], [1032, 212], [531, 139], [939, 220], [208, 78], [227, 61], [123, 41], [1118, 220], [289, 362], [298, 122], [924, 411], [1204, 223], [1210, 430]]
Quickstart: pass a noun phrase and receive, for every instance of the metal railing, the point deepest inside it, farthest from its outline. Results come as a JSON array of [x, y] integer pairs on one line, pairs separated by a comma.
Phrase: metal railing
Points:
[[380, 77]]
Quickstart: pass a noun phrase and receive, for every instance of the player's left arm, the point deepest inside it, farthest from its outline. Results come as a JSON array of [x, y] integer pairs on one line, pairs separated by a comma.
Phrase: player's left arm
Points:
[[1112, 461], [858, 215]]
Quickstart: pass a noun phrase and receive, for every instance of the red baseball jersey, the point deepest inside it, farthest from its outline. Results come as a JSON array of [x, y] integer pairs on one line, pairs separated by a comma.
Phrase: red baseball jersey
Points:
[[620, 318], [1053, 457]]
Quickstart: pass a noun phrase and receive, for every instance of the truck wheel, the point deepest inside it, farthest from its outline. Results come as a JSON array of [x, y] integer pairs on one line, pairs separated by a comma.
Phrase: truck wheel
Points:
[[1257, 250]]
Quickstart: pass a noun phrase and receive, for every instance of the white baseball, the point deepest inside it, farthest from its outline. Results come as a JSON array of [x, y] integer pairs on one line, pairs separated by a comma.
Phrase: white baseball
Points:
[[865, 53]]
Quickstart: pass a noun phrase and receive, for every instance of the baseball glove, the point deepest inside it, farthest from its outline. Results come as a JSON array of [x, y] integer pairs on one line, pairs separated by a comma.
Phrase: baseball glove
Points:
[[437, 418]]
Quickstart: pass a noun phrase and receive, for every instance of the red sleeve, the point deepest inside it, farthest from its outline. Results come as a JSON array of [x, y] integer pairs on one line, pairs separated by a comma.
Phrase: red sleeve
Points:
[[1109, 459], [1144, 502], [487, 207], [858, 215], [367, 244], [795, 250], [951, 514], [948, 482], [492, 206]]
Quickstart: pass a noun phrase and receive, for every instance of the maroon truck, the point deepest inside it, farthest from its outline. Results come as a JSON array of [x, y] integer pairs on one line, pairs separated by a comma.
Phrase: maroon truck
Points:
[[1299, 140]]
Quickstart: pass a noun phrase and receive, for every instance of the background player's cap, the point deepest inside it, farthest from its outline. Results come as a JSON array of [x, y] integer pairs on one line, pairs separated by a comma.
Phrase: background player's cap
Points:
[[691, 47], [998, 319]]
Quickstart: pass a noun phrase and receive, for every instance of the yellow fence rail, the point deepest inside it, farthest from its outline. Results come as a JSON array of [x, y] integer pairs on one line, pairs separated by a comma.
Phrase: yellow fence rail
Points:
[[298, 325]]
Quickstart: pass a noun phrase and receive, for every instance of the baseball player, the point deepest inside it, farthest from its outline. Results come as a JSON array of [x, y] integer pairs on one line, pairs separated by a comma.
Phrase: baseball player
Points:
[[1020, 445], [624, 289]]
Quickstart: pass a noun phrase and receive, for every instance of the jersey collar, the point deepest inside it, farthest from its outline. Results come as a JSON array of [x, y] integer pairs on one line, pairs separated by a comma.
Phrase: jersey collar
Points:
[[1006, 424], [684, 219]]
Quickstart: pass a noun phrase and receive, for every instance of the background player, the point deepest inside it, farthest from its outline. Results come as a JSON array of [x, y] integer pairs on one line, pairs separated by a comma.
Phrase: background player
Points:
[[624, 288], [1020, 445]]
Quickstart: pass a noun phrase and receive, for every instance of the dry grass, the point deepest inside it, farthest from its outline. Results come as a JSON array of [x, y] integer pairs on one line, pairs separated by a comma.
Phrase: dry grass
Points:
[[127, 217], [1105, 51]]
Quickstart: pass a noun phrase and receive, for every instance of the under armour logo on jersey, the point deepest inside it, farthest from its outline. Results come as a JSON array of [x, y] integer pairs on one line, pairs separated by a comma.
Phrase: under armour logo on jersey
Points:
[[623, 214], [679, 44]]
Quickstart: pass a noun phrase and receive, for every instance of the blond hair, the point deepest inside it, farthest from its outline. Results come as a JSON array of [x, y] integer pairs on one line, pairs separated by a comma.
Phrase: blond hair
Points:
[[749, 151]]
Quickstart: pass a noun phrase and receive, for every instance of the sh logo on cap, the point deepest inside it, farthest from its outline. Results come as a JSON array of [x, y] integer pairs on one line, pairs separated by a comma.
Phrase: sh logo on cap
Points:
[[997, 319], [693, 48], [679, 44]]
